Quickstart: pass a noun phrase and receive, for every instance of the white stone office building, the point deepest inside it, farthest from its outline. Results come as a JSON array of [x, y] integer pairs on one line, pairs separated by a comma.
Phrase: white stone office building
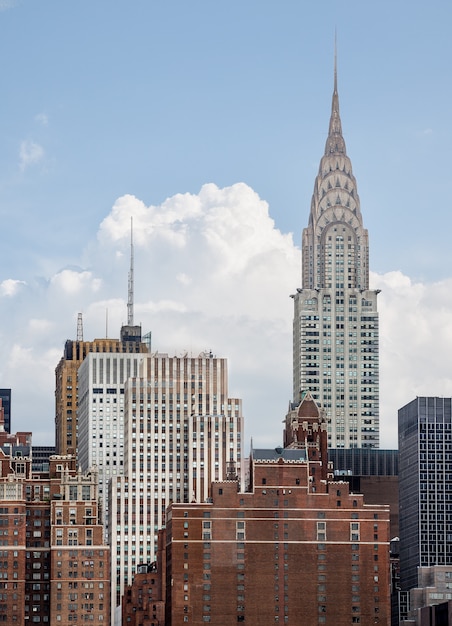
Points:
[[100, 414], [335, 330], [182, 431]]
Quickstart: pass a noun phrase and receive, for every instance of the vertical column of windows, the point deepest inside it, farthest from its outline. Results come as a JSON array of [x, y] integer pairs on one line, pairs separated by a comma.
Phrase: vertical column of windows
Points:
[[322, 568]]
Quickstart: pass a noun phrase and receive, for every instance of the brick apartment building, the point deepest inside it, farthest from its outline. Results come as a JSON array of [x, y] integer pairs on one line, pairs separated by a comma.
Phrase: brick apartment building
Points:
[[144, 601], [55, 566], [281, 553], [295, 547]]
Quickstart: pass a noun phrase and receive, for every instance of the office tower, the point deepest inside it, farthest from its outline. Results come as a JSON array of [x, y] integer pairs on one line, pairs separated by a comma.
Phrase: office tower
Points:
[[294, 548], [66, 388], [55, 566], [101, 381], [372, 472], [335, 329], [75, 351], [5, 402], [425, 485], [41, 458], [182, 430]]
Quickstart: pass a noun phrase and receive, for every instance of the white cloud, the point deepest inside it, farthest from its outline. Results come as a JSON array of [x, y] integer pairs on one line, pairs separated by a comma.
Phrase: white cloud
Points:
[[213, 273], [183, 278], [10, 287], [40, 325], [416, 343], [42, 119], [30, 153], [73, 282]]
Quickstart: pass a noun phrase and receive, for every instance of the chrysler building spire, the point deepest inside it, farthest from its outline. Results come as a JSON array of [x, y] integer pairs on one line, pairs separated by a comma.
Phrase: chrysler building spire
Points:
[[335, 199], [335, 352], [335, 143]]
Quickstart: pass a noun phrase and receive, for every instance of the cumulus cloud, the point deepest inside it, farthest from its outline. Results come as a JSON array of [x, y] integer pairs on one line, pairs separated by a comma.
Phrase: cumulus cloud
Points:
[[10, 287], [212, 272], [219, 248], [416, 342], [30, 153], [73, 282]]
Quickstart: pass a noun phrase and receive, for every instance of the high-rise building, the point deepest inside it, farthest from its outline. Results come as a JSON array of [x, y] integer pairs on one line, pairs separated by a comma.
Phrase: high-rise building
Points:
[[182, 431], [425, 485], [41, 458], [55, 563], [5, 402], [295, 548], [66, 384], [335, 329], [75, 351], [372, 472], [100, 414]]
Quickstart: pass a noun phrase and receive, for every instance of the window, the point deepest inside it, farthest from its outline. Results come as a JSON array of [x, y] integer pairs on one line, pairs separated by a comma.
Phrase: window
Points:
[[354, 531], [321, 531]]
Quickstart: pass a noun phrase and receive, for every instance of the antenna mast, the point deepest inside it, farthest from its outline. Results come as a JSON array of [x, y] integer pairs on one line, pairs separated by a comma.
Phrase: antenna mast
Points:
[[79, 327], [130, 290]]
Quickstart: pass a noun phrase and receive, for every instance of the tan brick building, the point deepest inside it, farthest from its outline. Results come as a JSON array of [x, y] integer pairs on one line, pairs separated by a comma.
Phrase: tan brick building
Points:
[[66, 385]]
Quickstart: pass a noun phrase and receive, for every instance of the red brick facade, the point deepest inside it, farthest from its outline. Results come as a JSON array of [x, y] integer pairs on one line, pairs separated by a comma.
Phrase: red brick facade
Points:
[[279, 554], [54, 564], [144, 601]]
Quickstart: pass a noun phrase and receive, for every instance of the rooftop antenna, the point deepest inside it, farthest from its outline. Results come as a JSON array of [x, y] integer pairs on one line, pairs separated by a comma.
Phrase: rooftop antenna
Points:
[[130, 290], [79, 327], [106, 323]]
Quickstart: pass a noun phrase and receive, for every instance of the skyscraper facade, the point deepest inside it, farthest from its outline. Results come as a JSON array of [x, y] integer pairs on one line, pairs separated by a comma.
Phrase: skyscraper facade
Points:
[[335, 330], [5, 398], [425, 486], [182, 431], [66, 382], [100, 414]]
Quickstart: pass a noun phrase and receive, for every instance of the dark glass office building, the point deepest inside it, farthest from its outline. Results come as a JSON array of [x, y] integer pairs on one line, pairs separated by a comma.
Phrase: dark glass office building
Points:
[[5, 397], [41, 458], [372, 472], [364, 461], [425, 486]]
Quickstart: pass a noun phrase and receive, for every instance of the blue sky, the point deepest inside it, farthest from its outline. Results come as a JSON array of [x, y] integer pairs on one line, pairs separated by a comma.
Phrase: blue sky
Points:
[[146, 100]]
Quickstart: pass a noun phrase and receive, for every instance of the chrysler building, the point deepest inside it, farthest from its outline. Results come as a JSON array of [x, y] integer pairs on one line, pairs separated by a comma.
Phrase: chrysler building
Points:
[[335, 329]]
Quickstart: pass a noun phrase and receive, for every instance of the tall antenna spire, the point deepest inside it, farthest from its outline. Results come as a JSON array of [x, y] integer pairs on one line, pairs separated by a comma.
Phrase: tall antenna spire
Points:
[[79, 327], [335, 61], [335, 143], [130, 290]]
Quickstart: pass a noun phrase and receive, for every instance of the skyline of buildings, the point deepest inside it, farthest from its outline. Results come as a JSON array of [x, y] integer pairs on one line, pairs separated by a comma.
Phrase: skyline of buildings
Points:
[[335, 326], [163, 442], [182, 431], [292, 546]]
